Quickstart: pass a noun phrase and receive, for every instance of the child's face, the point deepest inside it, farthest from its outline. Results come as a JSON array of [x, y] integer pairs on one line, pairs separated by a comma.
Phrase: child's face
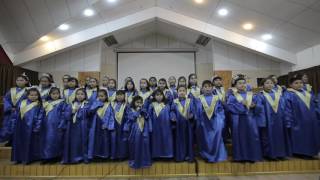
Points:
[[33, 96], [72, 84], [87, 80], [143, 84], [297, 84], [162, 85], [65, 82], [268, 85], [120, 97], [55, 95], [102, 96], [241, 85], [80, 96], [129, 85], [159, 97], [105, 81], [21, 82], [138, 104], [275, 80], [172, 81], [93, 83], [207, 89], [182, 92], [182, 82], [153, 82], [305, 79], [111, 85], [44, 82], [217, 82], [193, 80]]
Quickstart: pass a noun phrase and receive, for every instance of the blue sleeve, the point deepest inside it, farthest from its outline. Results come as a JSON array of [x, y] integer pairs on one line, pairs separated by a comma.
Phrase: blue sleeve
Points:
[[261, 116], [235, 107], [288, 110], [38, 119], [7, 104]]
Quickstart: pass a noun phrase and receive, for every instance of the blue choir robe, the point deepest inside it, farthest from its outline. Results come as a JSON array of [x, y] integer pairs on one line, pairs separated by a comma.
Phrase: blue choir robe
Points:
[[111, 94], [173, 91], [194, 92], [11, 101], [162, 138], [26, 138], [69, 95], [210, 120], [273, 132], [101, 125], [168, 95], [301, 118], [52, 126], [44, 92], [184, 126], [139, 128], [246, 145], [146, 98], [92, 94], [153, 88], [119, 139], [76, 135], [307, 87], [130, 95]]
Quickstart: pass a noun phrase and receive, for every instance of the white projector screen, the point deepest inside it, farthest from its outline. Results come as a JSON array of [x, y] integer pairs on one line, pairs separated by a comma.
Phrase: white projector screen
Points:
[[160, 65]]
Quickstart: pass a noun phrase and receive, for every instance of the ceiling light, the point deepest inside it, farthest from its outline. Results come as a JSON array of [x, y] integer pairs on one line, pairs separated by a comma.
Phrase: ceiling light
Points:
[[247, 26], [223, 12], [266, 37], [64, 27], [44, 38], [198, 1], [88, 12], [111, 1]]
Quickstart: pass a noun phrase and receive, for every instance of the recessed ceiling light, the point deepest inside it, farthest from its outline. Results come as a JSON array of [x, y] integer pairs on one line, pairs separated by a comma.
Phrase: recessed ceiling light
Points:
[[64, 27], [88, 12], [266, 37], [111, 1], [247, 26], [223, 12], [44, 38], [198, 1]]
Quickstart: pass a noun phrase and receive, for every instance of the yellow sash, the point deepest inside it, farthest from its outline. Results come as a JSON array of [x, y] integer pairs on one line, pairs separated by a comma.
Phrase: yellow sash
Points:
[[183, 109], [75, 108], [305, 98], [48, 106], [90, 92], [209, 109], [69, 99], [119, 114], [101, 111], [221, 94], [44, 92], [16, 96], [309, 88], [140, 121], [129, 98], [273, 103], [158, 107], [248, 98], [111, 98], [24, 107], [279, 90], [144, 95], [194, 92]]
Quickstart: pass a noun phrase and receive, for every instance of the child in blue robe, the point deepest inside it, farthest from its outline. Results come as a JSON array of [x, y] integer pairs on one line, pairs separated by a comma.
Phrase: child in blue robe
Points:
[[69, 93], [92, 90], [130, 90], [112, 89], [172, 87], [162, 85]]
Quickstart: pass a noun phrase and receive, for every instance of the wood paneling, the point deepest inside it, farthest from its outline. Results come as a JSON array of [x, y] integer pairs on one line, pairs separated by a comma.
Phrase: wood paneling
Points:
[[83, 75], [226, 76]]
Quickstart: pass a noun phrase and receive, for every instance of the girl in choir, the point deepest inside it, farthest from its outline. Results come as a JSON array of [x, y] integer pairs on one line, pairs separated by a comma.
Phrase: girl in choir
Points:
[[182, 81], [26, 142], [52, 126], [172, 86], [69, 93], [86, 82], [65, 79], [306, 85], [130, 90], [162, 138], [105, 80], [119, 141], [301, 118], [162, 85], [273, 133], [210, 119], [75, 148], [11, 102], [139, 128], [112, 89], [44, 86], [193, 89], [218, 87], [101, 125], [125, 82], [145, 92], [153, 83], [245, 112], [92, 90], [183, 110]]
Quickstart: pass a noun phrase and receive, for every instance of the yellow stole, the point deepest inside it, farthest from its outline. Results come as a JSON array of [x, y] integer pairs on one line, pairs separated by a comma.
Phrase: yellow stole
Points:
[[24, 107], [90, 92], [111, 98], [305, 98], [44, 92], [16, 96], [309, 87], [183, 109], [102, 110], [273, 103], [209, 109], [48, 106], [129, 97], [140, 122], [69, 98], [119, 114], [279, 90], [158, 107], [240, 98], [144, 95], [195, 92], [221, 94], [75, 108]]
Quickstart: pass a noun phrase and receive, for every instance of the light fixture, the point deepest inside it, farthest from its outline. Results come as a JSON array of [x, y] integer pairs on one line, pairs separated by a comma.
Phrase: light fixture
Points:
[[198, 1], [64, 27], [266, 37], [88, 12], [111, 1], [247, 26], [44, 38], [223, 12]]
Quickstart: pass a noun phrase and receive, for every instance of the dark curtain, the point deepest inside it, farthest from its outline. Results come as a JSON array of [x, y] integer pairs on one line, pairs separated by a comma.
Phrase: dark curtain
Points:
[[313, 74]]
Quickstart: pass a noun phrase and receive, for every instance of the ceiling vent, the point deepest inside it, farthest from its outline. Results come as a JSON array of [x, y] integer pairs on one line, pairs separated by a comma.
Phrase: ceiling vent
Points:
[[110, 40], [203, 40]]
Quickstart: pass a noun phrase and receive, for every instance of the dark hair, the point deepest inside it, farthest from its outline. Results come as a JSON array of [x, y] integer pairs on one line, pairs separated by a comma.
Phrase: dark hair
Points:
[[74, 79], [84, 91], [115, 82], [125, 86], [26, 79], [33, 89], [66, 76], [148, 84], [120, 92], [264, 80], [48, 78], [216, 77], [295, 78], [182, 77], [104, 92], [189, 77], [158, 91], [52, 90], [208, 82], [271, 77], [181, 87], [238, 79], [134, 100], [165, 81], [154, 79]]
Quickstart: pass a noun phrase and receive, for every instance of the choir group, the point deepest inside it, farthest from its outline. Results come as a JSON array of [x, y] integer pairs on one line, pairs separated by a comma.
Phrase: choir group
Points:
[[157, 121]]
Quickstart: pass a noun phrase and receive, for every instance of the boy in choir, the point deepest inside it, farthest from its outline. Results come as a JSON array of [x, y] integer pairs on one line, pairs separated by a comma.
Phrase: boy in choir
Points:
[[306, 85], [153, 83], [112, 89], [92, 90], [193, 89], [172, 86]]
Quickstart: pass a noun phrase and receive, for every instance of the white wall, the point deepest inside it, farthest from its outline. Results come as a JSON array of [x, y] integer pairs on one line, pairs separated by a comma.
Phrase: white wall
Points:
[[308, 58]]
